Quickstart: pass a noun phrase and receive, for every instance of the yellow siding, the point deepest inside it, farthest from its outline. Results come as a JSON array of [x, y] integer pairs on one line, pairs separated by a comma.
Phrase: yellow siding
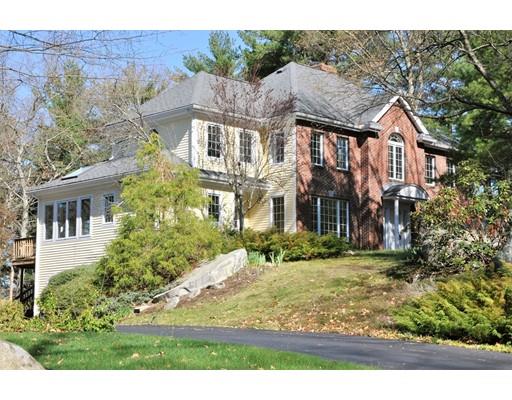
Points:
[[284, 184], [282, 177], [176, 135], [59, 255]]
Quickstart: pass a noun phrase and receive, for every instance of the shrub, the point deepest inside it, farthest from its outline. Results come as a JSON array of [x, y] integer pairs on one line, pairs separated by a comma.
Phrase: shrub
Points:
[[73, 302], [160, 236], [12, 316], [296, 246], [472, 308], [463, 228]]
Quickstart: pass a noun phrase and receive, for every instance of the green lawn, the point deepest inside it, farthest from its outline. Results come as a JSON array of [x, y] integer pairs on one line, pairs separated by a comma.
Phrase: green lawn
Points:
[[126, 351], [353, 294]]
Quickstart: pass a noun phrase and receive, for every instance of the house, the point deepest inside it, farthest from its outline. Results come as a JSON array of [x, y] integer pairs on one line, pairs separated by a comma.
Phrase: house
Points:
[[354, 164]]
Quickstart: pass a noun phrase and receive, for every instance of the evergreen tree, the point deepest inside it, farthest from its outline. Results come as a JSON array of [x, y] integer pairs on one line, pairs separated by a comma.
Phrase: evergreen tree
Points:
[[224, 60]]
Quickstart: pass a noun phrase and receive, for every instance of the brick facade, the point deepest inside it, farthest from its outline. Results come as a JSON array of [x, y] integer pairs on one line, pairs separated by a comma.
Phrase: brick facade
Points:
[[362, 184]]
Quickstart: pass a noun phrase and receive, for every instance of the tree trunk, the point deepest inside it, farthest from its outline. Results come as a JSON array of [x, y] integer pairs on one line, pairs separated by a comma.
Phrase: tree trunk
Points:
[[11, 286], [240, 213]]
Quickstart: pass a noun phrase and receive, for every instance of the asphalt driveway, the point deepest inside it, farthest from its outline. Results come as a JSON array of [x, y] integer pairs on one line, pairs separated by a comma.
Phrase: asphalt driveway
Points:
[[381, 353]]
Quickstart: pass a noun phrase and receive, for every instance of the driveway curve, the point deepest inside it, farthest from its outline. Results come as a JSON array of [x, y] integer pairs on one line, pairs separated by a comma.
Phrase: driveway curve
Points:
[[380, 353]]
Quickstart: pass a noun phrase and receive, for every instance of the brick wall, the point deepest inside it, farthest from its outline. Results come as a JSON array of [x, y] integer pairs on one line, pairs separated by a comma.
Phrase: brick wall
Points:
[[362, 184]]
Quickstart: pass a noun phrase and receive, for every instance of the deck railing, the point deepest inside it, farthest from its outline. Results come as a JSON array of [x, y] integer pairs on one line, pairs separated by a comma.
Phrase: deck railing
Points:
[[24, 249]]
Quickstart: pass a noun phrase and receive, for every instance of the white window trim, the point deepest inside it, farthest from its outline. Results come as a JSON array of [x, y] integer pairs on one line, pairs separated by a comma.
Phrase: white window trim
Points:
[[396, 145], [434, 170], [103, 209], [78, 235], [321, 134], [80, 216], [253, 147], [272, 147], [221, 213], [338, 222], [271, 219], [221, 140], [347, 168]]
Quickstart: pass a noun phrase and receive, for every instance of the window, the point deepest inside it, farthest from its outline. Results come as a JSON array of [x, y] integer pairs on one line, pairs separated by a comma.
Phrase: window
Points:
[[450, 166], [330, 216], [396, 157], [214, 141], [277, 148], [214, 207], [245, 146], [85, 216], [70, 217], [430, 170], [108, 201], [278, 213], [342, 153], [317, 150], [48, 221], [66, 219], [61, 220]]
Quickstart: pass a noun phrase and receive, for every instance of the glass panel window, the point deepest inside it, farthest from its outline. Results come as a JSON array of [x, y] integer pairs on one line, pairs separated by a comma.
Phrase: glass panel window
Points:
[[450, 167], [278, 213], [317, 153], [61, 219], [214, 207], [396, 157], [277, 148], [48, 221], [214, 141], [71, 218], [430, 170], [342, 153], [108, 202], [85, 215], [330, 216], [245, 146]]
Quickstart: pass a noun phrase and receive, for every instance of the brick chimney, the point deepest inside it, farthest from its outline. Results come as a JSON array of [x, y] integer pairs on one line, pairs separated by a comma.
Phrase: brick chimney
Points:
[[325, 67]]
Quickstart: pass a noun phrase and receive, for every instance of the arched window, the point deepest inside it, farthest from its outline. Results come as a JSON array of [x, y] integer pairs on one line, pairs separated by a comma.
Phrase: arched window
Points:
[[396, 157]]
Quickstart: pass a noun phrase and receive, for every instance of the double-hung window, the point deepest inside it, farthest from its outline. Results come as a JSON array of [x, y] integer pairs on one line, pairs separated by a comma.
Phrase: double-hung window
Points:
[[214, 141], [317, 148], [430, 170], [396, 157], [277, 148], [67, 219], [108, 202], [342, 153], [330, 216], [450, 170], [278, 213], [245, 146], [214, 207]]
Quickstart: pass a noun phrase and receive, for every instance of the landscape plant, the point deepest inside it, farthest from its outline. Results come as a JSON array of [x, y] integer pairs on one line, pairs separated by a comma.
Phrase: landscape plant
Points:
[[464, 227], [160, 235]]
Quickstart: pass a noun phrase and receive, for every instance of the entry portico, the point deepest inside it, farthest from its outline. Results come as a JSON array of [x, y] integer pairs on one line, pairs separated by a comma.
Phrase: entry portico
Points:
[[397, 201]]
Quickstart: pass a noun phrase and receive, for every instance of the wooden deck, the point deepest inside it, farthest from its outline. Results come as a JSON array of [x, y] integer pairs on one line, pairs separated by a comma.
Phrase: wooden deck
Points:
[[24, 254]]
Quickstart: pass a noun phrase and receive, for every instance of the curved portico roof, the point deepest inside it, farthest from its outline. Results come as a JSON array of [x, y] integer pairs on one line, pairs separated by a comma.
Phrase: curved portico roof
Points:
[[404, 191]]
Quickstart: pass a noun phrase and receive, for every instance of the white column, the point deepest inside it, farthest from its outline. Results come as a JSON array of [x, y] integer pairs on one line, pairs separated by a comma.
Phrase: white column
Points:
[[396, 225]]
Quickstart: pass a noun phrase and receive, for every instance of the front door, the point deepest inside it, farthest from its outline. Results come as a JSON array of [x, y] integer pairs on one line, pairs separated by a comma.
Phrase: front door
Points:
[[404, 225]]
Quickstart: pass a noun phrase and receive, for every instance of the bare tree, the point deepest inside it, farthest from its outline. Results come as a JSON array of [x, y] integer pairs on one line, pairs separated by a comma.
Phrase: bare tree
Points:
[[256, 128]]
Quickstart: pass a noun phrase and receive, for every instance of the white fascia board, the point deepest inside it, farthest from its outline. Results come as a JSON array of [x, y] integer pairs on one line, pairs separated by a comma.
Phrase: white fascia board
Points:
[[73, 185]]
